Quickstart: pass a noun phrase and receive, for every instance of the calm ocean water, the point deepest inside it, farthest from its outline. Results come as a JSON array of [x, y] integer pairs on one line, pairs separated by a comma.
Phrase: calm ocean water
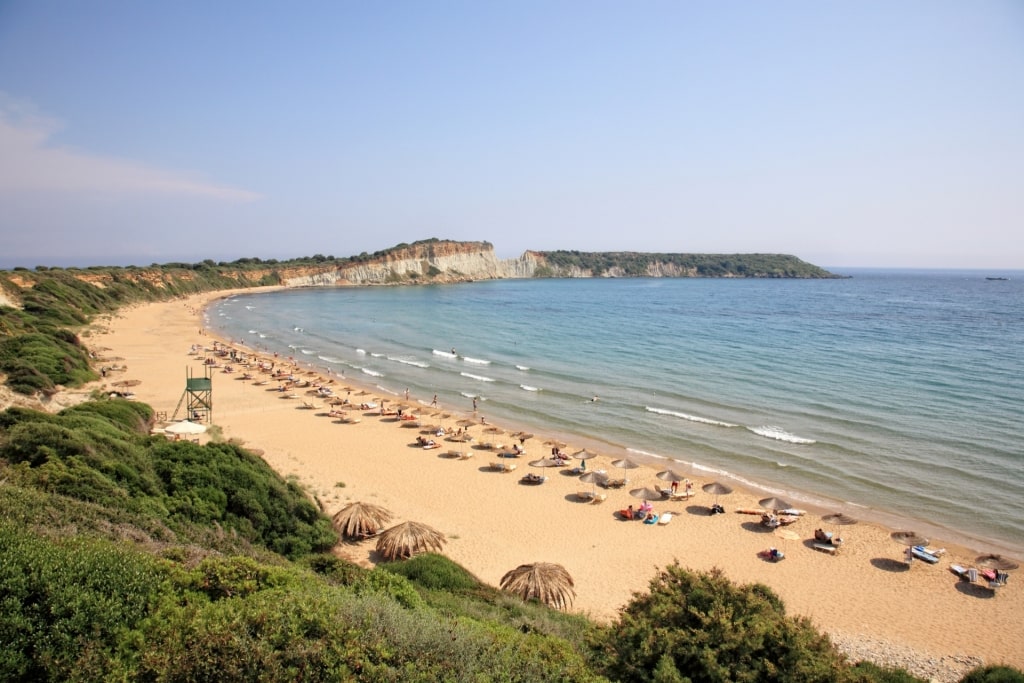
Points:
[[895, 396]]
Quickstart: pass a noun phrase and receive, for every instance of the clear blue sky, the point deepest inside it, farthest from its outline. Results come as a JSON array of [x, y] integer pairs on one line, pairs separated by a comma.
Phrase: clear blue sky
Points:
[[877, 133]]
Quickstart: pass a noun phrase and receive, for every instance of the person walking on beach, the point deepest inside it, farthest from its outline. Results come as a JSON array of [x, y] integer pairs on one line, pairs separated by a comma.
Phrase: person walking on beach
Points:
[[434, 402], [407, 393], [474, 404]]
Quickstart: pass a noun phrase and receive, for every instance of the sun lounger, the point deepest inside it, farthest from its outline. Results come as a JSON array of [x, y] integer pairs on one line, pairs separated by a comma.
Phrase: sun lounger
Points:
[[585, 495], [533, 479], [503, 466], [921, 553], [665, 518], [826, 548], [599, 498]]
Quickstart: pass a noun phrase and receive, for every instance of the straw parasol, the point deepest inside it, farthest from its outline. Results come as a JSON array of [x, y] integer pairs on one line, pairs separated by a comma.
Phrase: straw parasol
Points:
[[404, 540], [546, 462], [774, 504], [646, 493], [359, 520], [716, 489], [583, 454], [556, 443], [625, 464], [670, 475], [465, 423], [839, 519], [594, 478], [997, 562], [546, 582], [494, 430], [909, 538]]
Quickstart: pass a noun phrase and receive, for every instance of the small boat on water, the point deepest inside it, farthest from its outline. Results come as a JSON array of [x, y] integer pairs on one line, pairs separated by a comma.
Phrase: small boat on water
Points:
[[997, 278]]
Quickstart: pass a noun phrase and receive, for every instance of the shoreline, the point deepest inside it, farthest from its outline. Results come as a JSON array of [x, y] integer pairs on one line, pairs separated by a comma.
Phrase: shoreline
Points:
[[865, 593]]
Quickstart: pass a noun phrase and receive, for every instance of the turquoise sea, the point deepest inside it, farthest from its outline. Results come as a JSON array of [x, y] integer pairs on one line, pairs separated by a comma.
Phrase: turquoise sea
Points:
[[896, 396]]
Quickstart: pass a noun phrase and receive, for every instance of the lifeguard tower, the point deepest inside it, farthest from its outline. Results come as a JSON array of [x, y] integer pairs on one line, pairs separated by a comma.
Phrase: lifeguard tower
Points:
[[197, 400]]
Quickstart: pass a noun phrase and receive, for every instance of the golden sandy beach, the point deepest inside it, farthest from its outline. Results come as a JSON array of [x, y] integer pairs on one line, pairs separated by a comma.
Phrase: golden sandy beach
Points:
[[493, 523]]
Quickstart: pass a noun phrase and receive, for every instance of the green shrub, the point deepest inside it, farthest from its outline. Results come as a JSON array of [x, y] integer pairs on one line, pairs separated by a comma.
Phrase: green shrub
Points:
[[65, 606], [702, 627], [994, 674], [434, 572]]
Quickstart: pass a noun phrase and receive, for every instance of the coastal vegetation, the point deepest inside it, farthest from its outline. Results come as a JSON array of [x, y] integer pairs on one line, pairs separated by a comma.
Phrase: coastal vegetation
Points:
[[642, 264], [127, 556]]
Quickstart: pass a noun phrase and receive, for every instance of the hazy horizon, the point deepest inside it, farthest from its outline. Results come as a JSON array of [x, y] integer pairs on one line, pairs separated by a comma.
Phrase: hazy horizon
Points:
[[871, 135]]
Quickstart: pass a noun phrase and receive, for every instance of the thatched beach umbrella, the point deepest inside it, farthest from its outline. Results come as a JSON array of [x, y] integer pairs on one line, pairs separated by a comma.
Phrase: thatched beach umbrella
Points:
[[359, 520], [670, 475], [839, 519], [997, 562], [625, 464], [908, 538], [646, 493], [774, 504], [404, 540], [716, 489], [546, 462], [594, 478], [547, 582]]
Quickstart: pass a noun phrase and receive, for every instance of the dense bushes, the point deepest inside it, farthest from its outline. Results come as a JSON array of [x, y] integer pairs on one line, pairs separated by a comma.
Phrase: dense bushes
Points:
[[701, 627], [95, 452], [38, 361]]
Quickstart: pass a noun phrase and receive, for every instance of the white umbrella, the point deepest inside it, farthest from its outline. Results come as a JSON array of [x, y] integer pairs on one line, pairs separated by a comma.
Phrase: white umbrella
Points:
[[185, 427]]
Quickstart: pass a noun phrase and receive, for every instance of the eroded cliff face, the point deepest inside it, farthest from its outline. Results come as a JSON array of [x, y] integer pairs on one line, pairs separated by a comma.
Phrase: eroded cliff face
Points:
[[436, 262]]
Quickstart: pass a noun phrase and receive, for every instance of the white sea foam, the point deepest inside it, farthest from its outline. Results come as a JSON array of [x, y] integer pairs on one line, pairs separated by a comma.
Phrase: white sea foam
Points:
[[250, 307], [307, 352], [779, 434], [371, 373], [330, 359], [524, 368], [647, 454], [527, 387], [446, 354], [254, 331], [297, 329], [361, 351], [480, 378], [408, 361], [469, 395], [476, 361], [374, 354], [691, 418], [262, 336]]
